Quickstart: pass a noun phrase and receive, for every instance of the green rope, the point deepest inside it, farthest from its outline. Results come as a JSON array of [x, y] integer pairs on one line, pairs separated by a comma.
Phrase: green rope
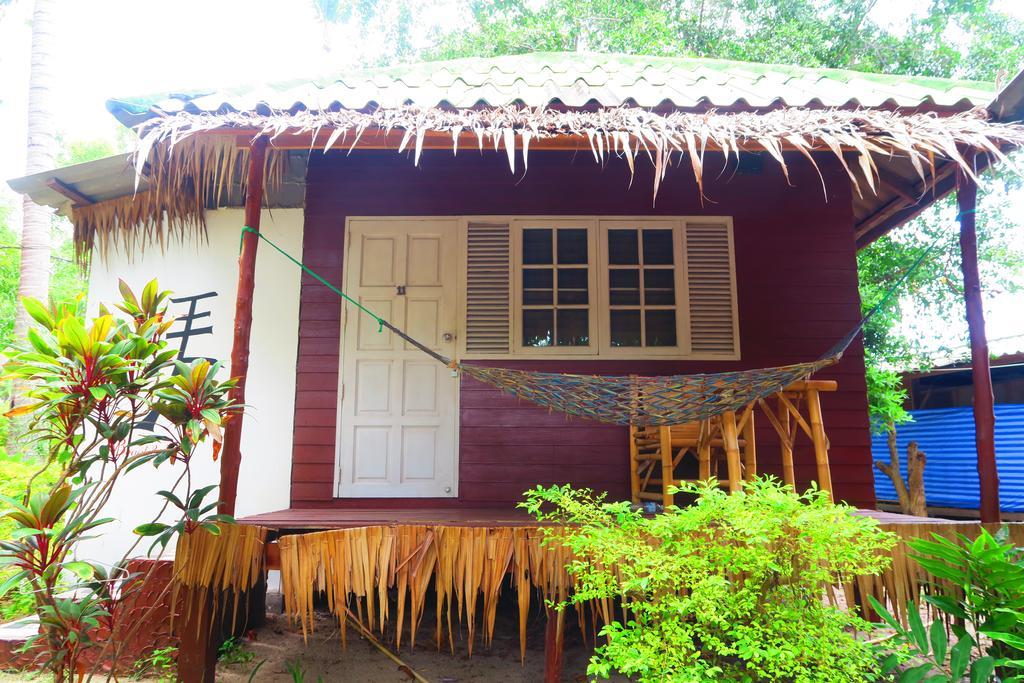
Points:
[[309, 271]]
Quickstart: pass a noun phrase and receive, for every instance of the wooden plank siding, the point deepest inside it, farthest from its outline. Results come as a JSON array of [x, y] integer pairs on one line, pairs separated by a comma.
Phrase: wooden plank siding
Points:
[[797, 295]]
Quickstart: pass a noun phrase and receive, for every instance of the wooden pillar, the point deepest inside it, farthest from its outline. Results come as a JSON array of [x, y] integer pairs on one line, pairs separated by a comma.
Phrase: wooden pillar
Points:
[[788, 472], [820, 442], [667, 470], [634, 465], [732, 451], [198, 640], [704, 450], [749, 447], [554, 643], [231, 455], [984, 408]]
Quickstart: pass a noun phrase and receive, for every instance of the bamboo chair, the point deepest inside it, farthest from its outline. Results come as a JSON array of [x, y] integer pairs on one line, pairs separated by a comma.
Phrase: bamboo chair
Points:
[[656, 452]]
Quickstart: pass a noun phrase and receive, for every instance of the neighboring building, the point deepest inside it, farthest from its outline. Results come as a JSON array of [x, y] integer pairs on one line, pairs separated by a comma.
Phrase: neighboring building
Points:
[[940, 401], [754, 268]]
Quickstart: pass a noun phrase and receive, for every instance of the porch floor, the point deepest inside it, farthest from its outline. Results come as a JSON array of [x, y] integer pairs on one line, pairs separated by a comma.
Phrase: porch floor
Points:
[[345, 518]]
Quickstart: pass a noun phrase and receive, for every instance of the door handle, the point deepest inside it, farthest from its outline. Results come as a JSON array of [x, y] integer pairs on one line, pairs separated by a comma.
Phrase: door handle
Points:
[[447, 337]]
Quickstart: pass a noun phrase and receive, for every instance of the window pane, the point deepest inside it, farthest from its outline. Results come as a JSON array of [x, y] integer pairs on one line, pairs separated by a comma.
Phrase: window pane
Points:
[[572, 278], [623, 247], [659, 287], [538, 327], [537, 246], [625, 328], [572, 297], [538, 286], [573, 327], [624, 286], [661, 328], [658, 247], [538, 278], [572, 245], [537, 297]]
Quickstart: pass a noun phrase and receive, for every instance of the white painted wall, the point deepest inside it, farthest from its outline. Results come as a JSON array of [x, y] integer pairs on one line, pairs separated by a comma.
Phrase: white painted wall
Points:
[[196, 267]]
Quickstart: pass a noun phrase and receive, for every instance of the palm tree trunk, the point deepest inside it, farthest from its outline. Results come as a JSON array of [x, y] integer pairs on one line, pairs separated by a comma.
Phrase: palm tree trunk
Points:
[[34, 278]]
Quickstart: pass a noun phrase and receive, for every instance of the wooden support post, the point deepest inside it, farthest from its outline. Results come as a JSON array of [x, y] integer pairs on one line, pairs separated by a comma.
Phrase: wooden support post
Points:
[[198, 642], [984, 409], [704, 451], [667, 474], [231, 455], [820, 441], [554, 642], [732, 451], [749, 447], [788, 472], [634, 466]]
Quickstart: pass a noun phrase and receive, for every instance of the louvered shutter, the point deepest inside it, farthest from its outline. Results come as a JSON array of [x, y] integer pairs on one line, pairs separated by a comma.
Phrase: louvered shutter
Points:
[[711, 276], [488, 299]]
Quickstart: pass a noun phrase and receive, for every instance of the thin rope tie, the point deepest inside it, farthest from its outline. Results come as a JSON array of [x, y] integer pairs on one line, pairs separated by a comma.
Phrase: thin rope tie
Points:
[[309, 271]]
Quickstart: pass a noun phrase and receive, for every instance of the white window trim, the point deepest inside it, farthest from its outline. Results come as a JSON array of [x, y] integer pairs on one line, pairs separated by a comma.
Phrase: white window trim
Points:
[[599, 289]]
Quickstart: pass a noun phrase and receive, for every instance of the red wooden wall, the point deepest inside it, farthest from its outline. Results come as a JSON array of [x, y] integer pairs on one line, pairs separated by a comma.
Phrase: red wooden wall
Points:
[[797, 295]]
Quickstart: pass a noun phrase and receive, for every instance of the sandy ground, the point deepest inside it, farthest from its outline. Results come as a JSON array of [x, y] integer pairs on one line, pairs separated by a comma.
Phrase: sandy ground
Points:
[[278, 644]]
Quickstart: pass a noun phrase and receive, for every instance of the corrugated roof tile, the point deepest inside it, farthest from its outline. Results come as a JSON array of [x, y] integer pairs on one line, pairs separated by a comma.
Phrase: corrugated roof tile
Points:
[[577, 79]]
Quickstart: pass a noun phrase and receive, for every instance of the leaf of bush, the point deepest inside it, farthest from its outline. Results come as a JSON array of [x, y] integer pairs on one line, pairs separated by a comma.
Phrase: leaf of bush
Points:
[[981, 670], [959, 657], [917, 628], [151, 529], [915, 674], [1008, 638], [939, 642]]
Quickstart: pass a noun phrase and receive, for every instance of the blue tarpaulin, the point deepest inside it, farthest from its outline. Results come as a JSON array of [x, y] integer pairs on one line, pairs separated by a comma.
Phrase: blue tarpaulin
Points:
[[946, 436]]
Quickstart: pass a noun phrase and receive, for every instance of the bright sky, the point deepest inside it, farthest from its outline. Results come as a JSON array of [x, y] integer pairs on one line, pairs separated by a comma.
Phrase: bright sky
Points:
[[109, 48]]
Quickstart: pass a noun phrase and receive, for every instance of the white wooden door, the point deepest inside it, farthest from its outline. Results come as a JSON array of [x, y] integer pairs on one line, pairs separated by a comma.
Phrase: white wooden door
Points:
[[397, 420]]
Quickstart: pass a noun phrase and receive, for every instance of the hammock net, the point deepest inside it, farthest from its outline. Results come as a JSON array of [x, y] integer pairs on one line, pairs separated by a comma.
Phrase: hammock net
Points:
[[641, 400]]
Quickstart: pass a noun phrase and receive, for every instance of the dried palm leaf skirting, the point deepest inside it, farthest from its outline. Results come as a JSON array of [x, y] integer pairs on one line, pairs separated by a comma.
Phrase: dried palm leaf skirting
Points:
[[213, 572], [196, 154], [469, 566]]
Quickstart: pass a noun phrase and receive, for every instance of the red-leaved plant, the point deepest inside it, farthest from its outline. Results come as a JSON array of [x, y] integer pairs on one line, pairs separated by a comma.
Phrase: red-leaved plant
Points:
[[92, 384]]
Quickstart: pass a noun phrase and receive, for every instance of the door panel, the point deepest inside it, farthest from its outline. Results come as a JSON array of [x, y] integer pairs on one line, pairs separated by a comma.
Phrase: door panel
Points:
[[397, 419]]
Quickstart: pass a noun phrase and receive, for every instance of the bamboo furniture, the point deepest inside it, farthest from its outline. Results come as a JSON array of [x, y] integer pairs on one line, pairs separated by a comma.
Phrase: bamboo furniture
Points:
[[656, 452]]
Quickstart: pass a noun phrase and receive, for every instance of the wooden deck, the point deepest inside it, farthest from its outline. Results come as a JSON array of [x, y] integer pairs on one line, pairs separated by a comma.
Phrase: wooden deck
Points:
[[309, 519]]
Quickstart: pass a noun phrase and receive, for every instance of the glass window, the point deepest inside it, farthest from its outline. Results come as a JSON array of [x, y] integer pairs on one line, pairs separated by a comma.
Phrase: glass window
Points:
[[556, 287], [641, 287]]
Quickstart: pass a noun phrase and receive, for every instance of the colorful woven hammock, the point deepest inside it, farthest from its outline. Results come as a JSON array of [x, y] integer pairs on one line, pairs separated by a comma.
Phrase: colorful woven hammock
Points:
[[631, 399]]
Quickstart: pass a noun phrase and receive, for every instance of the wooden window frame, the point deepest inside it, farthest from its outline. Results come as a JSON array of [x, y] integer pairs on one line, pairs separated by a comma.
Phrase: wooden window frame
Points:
[[682, 294], [517, 226], [598, 279]]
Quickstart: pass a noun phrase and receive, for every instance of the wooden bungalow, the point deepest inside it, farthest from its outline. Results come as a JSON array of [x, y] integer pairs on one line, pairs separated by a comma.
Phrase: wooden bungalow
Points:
[[566, 213]]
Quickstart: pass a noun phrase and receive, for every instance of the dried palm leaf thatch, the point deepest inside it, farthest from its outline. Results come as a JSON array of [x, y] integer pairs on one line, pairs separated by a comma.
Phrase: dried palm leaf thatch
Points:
[[181, 186], [212, 571], [905, 579], [190, 160], [469, 564], [629, 132]]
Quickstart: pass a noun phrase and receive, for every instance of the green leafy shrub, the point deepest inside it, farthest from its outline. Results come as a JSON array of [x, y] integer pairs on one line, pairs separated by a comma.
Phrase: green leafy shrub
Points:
[[978, 589], [728, 589]]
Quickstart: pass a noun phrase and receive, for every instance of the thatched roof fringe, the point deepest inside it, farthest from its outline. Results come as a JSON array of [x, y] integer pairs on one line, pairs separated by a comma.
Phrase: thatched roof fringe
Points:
[[183, 183], [193, 159], [631, 131]]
